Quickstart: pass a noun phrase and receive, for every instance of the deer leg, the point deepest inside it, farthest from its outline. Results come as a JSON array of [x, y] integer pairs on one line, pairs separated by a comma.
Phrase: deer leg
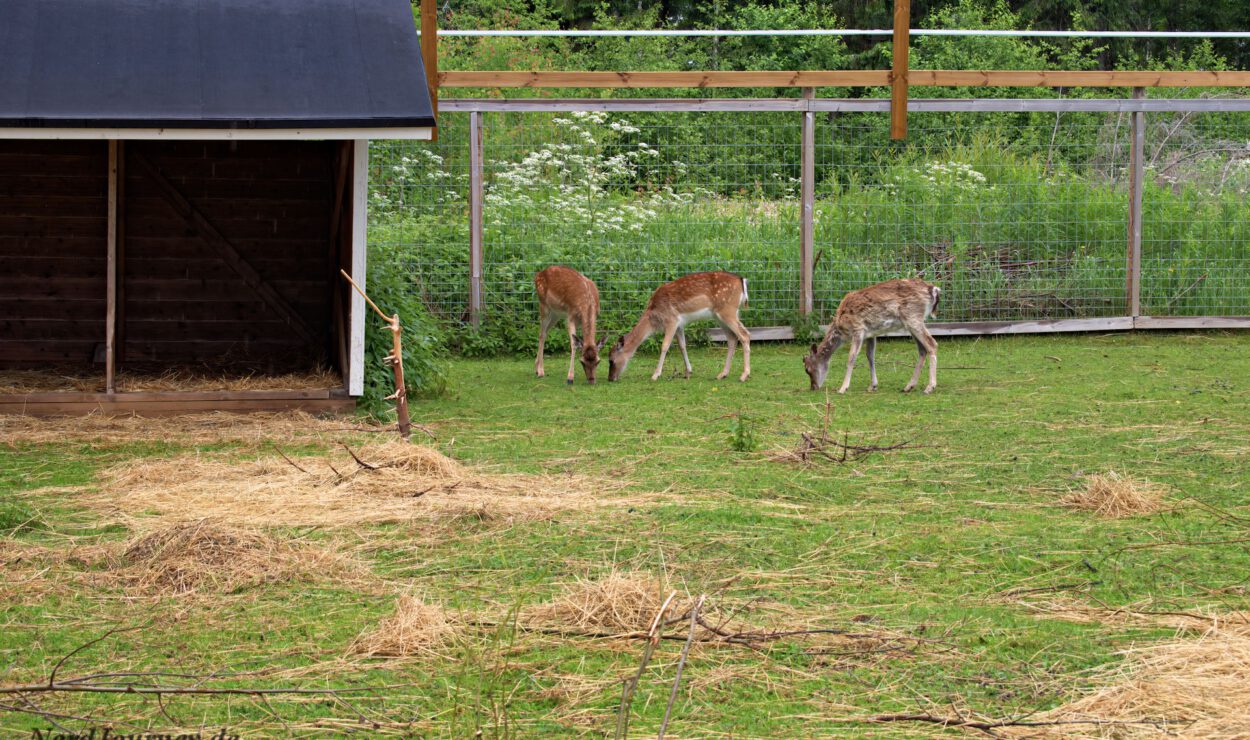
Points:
[[545, 320], [915, 376], [857, 341], [872, 363], [931, 346], [681, 342], [572, 348], [731, 341], [669, 331], [744, 336]]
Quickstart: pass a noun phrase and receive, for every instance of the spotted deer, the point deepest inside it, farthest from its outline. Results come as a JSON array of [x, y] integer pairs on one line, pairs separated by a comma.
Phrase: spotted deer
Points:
[[702, 295], [565, 293], [870, 312]]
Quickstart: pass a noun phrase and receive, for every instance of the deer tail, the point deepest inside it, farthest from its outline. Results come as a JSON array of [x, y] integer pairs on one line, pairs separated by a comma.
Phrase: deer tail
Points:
[[744, 293], [935, 295]]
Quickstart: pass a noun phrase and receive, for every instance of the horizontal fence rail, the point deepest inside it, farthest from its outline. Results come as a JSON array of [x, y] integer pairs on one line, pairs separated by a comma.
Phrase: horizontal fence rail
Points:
[[845, 78], [1025, 211]]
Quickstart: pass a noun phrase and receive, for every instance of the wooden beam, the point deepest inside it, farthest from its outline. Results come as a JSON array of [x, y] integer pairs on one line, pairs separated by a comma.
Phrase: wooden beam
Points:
[[359, 259], [898, 72], [119, 321], [972, 328], [429, 53], [807, 217], [225, 249], [476, 210], [846, 78], [837, 78], [1136, 174], [110, 279], [1044, 78]]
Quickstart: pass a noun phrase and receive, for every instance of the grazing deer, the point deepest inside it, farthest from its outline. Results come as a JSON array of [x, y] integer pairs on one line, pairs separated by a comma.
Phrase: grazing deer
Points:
[[702, 295], [564, 293], [870, 312]]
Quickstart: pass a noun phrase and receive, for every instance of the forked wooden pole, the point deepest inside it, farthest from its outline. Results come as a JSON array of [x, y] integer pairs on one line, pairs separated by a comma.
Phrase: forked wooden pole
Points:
[[396, 360]]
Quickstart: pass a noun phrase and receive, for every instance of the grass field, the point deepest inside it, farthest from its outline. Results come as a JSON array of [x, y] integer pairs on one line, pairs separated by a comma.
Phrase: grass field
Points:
[[961, 582]]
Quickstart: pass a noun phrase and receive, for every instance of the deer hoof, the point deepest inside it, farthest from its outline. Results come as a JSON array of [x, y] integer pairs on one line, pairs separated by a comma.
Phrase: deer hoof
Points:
[[872, 389], [721, 376], [907, 389], [743, 377], [569, 381], [929, 390]]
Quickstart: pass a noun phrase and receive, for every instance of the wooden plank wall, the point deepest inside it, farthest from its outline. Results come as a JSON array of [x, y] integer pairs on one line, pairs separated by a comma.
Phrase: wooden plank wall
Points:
[[272, 202], [53, 222], [184, 303]]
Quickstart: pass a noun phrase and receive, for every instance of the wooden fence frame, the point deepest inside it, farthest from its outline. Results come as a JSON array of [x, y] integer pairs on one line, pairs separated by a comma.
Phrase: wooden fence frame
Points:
[[808, 105]]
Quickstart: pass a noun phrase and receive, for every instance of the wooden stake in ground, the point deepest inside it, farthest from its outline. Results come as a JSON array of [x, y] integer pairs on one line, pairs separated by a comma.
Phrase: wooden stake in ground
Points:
[[396, 360]]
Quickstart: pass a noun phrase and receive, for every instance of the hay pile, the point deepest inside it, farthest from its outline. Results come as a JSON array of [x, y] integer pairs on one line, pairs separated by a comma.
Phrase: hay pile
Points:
[[621, 602], [252, 430], [1114, 496], [415, 628], [206, 555], [391, 481], [1194, 688]]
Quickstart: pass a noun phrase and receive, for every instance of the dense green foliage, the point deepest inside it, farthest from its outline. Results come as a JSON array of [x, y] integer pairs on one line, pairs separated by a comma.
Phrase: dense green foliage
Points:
[[424, 373], [856, 52]]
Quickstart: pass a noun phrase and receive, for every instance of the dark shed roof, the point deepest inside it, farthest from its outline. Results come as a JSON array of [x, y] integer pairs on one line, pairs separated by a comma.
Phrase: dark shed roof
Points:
[[211, 64]]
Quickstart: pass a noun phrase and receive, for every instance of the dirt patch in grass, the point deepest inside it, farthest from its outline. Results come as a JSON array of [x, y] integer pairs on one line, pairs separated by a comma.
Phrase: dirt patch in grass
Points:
[[206, 555], [415, 628], [392, 481], [1112, 495], [1194, 688], [251, 430]]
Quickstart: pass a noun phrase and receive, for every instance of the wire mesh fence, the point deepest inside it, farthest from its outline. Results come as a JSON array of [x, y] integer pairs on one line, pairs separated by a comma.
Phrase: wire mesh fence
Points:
[[1019, 216]]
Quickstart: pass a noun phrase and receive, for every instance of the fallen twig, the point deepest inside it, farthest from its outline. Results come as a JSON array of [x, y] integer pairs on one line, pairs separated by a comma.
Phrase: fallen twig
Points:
[[990, 724], [627, 693]]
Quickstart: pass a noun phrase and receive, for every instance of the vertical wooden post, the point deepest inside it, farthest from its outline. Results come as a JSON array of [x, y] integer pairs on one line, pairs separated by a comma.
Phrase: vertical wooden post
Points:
[[401, 390], [119, 287], [898, 72], [475, 217], [110, 311], [808, 197], [359, 246], [429, 53], [1136, 174]]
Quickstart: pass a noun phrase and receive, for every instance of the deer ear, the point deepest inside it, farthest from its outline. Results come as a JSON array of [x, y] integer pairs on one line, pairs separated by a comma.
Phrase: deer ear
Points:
[[577, 342], [602, 342], [814, 348]]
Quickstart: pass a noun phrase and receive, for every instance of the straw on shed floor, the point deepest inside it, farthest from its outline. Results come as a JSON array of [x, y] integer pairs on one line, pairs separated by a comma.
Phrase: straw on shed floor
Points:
[[415, 628], [1193, 688], [392, 481], [254, 429], [1113, 496], [165, 380]]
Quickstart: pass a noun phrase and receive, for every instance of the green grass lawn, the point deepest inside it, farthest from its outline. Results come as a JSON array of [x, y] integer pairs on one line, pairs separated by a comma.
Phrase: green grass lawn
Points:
[[951, 554]]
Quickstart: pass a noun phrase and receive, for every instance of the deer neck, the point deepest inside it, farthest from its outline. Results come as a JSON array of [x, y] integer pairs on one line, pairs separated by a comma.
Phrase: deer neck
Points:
[[636, 336]]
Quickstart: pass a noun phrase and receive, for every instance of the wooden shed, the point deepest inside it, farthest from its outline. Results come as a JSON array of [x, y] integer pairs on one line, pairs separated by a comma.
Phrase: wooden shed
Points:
[[180, 183]]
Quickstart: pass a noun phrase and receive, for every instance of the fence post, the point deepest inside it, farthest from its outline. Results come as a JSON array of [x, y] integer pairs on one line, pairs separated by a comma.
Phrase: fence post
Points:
[[475, 217], [807, 231], [1136, 173]]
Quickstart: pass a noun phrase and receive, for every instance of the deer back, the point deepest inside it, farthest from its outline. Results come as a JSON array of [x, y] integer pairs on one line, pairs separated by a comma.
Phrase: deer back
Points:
[[886, 306]]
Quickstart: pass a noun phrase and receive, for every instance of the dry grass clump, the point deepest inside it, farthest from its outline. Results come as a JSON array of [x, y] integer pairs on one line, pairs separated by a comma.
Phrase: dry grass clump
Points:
[[392, 481], [621, 602], [415, 628], [1194, 688], [254, 429], [1194, 621], [1114, 496], [164, 381], [208, 556]]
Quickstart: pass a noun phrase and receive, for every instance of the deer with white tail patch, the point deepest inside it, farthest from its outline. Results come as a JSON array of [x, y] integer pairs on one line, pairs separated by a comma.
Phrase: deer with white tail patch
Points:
[[702, 295], [865, 314]]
